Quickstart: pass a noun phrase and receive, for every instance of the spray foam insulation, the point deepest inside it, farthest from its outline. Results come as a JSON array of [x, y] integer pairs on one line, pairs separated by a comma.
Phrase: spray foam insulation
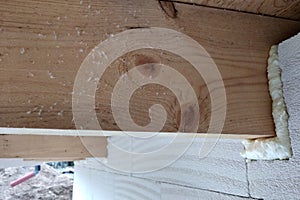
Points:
[[278, 147]]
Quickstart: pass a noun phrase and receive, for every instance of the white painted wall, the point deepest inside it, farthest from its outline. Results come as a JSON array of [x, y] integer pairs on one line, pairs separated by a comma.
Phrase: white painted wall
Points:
[[90, 184], [94, 184], [97, 182], [223, 171]]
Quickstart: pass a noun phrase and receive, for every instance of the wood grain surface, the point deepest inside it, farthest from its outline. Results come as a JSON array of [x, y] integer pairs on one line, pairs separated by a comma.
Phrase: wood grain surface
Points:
[[289, 9], [42, 45], [46, 148]]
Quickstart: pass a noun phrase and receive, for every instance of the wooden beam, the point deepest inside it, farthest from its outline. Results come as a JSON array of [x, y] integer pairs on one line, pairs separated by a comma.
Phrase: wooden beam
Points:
[[51, 147], [67, 145], [278, 8], [42, 45]]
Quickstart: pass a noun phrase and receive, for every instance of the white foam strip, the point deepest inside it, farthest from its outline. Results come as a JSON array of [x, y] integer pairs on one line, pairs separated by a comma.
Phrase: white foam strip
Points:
[[278, 147], [75, 132], [56, 132], [101, 133]]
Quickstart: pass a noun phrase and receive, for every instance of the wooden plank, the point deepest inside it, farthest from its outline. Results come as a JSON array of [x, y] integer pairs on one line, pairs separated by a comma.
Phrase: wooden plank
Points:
[[280, 8], [37, 83], [45, 147]]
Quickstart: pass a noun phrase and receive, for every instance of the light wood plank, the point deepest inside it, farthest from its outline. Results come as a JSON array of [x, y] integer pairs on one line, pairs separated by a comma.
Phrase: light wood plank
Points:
[[280, 8], [56, 37], [45, 147]]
